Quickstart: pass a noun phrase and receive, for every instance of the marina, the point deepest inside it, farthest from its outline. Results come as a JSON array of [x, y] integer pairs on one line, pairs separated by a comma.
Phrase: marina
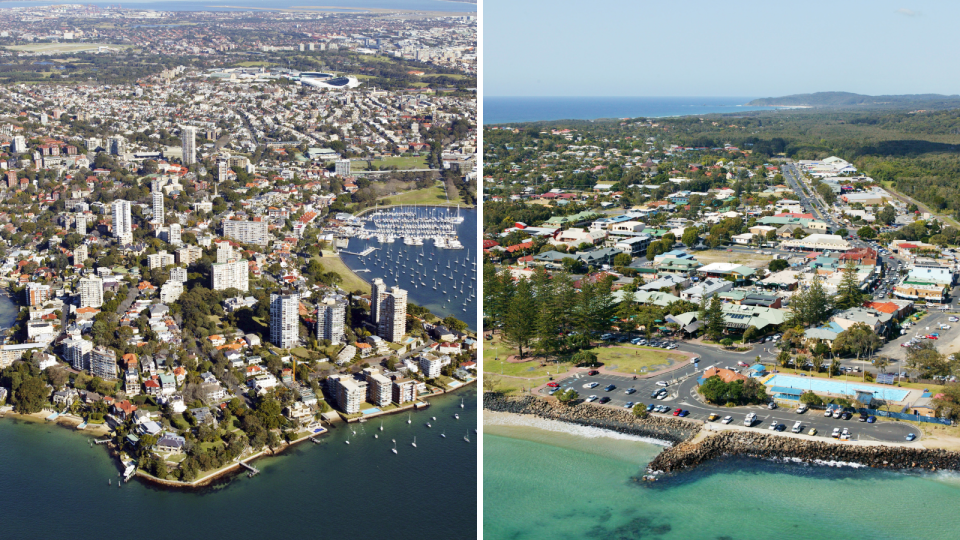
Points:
[[434, 274]]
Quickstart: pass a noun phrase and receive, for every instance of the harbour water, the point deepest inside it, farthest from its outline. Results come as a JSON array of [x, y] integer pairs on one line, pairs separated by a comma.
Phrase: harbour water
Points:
[[420, 268], [55, 486], [560, 481], [242, 5], [501, 110]]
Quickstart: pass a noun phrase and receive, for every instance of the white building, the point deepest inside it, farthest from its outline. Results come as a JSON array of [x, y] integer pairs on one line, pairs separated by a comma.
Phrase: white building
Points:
[[234, 274], [157, 195], [379, 387], [284, 320], [189, 145], [350, 392], [160, 260], [77, 353], [388, 311], [430, 365], [331, 320], [103, 364], [342, 167], [247, 232], [91, 292], [122, 222]]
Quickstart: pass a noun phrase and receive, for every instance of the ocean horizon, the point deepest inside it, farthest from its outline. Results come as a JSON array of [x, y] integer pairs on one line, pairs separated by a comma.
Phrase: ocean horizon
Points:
[[518, 109]]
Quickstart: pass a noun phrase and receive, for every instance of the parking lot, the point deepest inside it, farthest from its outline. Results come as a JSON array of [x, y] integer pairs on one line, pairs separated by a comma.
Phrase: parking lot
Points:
[[683, 395]]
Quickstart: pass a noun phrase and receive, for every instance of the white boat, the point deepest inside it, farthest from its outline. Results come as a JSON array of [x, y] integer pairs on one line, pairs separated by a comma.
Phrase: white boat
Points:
[[394, 449], [414, 443]]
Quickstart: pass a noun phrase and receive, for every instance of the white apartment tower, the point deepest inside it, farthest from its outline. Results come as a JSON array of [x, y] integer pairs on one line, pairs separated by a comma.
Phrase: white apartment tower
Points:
[[393, 317], [342, 167], [234, 273], [91, 292], [173, 236], [284, 320], [189, 140], [122, 223], [77, 352], [81, 224], [103, 364], [331, 320], [157, 194], [80, 254], [19, 144]]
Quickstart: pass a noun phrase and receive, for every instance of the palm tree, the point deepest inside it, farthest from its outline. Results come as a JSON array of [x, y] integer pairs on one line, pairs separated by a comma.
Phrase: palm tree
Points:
[[817, 361]]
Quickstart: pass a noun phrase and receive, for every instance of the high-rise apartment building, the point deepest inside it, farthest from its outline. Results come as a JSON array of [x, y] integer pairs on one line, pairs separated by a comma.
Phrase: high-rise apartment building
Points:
[[91, 292], [393, 315], [81, 224], [77, 353], [377, 290], [284, 319], [160, 260], [103, 363], [233, 274], [37, 293], [80, 254], [379, 387], [350, 392], [189, 255], [173, 235], [247, 232], [331, 320], [189, 145], [19, 144], [157, 194], [122, 222], [116, 145], [342, 167]]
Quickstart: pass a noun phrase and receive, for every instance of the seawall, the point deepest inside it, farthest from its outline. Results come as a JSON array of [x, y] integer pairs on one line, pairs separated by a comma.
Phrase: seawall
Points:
[[674, 430], [688, 455]]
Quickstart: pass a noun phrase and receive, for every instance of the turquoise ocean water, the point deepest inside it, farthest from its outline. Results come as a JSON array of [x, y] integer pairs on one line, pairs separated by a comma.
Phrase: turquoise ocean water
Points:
[[559, 481]]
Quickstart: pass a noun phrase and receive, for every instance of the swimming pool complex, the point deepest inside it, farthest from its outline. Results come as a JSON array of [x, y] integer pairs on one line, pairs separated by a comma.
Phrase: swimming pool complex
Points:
[[836, 387]]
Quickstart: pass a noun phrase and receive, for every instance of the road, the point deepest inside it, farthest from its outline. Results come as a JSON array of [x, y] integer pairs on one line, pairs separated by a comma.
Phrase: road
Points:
[[683, 394]]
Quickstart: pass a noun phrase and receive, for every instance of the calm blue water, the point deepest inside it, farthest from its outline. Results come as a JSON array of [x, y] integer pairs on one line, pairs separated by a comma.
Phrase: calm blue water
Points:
[[383, 264], [500, 110], [55, 486], [240, 5], [836, 387]]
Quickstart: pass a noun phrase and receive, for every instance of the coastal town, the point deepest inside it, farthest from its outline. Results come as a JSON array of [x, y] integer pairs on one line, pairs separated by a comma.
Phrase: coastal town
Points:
[[171, 232], [732, 286]]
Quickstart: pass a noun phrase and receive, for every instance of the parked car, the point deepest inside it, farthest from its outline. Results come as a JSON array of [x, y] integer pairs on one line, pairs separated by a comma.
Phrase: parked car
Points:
[[604, 399], [663, 383], [911, 437], [871, 419], [713, 416], [552, 384], [650, 407], [749, 419], [812, 432], [774, 424], [677, 412], [591, 399], [802, 408], [684, 413], [772, 405], [609, 388], [628, 405], [836, 433], [727, 419], [593, 372], [629, 390], [797, 427], [591, 385]]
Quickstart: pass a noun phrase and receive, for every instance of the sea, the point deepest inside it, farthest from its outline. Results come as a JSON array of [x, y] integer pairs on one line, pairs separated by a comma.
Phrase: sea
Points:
[[546, 479], [462, 289], [508, 110], [55, 486], [242, 5]]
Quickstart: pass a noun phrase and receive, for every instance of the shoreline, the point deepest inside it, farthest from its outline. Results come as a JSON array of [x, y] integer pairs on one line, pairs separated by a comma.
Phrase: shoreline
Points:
[[698, 443]]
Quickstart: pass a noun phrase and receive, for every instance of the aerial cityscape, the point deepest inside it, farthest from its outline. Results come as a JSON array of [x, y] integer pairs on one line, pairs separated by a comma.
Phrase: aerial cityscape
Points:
[[239, 247], [714, 317]]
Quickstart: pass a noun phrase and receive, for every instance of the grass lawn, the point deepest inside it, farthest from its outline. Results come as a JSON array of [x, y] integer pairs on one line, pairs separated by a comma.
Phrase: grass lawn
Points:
[[176, 458], [631, 359], [351, 282], [435, 195], [300, 352], [452, 76], [401, 163]]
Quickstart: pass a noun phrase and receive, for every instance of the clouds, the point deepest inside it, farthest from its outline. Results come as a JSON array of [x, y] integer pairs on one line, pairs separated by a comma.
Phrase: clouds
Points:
[[907, 12]]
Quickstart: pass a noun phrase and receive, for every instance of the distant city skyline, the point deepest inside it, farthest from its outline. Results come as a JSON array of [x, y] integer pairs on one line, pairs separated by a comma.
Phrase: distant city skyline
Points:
[[701, 49]]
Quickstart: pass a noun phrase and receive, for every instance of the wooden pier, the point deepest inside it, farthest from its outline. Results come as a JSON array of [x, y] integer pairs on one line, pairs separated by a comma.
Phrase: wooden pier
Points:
[[253, 470]]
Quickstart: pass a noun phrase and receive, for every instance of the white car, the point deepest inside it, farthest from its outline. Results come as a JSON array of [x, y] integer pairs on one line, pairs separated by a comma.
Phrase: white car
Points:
[[827, 413], [797, 427], [727, 419], [591, 399], [802, 408], [591, 385], [774, 425], [663, 383]]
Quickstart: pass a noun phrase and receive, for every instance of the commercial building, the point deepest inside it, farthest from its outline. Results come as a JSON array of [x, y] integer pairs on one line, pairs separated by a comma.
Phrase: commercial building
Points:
[[284, 320], [331, 320], [247, 232]]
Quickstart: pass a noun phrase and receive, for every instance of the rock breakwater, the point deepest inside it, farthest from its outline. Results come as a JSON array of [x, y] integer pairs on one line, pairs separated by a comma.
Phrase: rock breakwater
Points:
[[673, 430], [688, 455]]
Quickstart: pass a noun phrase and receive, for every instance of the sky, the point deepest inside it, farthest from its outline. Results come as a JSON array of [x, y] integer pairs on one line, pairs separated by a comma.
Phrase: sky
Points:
[[735, 48]]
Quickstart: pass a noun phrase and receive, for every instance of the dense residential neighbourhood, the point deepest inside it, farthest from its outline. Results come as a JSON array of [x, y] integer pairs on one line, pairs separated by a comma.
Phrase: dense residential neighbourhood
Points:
[[604, 243], [171, 234]]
